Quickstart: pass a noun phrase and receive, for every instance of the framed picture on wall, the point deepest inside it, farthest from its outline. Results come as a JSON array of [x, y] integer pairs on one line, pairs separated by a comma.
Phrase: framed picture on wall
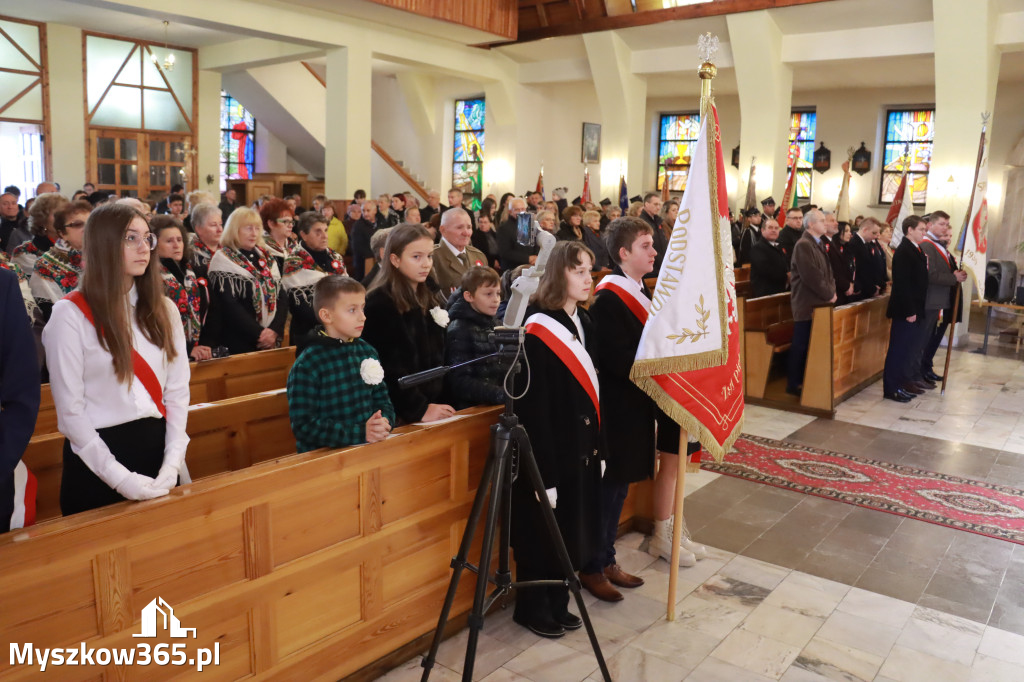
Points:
[[591, 143]]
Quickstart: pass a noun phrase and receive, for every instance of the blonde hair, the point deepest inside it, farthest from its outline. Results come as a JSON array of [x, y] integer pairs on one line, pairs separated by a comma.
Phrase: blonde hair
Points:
[[239, 218], [199, 196], [634, 209], [589, 217]]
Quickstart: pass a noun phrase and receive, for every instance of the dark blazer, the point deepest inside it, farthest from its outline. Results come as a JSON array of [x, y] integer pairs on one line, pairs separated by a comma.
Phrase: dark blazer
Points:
[[941, 279], [407, 343], [565, 433], [359, 244], [810, 278], [511, 252], [788, 237], [235, 319], [909, 281], [869, 268], [769, 269], [840, 269], [751, 235], [487, 242], [627, 413], [660, 240]]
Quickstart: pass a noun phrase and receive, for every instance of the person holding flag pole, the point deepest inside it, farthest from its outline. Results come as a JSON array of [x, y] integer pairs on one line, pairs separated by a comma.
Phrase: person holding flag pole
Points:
[[688, 359]]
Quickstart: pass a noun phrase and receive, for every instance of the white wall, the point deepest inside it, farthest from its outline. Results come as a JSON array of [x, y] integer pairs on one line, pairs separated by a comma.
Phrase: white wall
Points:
[[67, 118], [271, 152]]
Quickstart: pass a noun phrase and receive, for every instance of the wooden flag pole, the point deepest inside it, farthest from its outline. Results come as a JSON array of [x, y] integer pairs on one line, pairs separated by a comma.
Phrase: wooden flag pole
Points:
[[949, 343], [677, 524]]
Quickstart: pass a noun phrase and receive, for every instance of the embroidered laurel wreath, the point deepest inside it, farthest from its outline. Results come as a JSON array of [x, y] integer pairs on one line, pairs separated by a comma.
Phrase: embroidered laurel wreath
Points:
[[371, 371]]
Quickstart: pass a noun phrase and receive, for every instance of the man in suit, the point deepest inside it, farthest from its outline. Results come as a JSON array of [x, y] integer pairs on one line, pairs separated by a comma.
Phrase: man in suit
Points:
[[840, 268], [866, 259], [907, 334], [751, 235], [811, 280], [228, 203], [791, 231], [455, 198], [433, 207], [651, 214], [511, 253], [943, 284], [769, 266], [359, 239], [453, 255]]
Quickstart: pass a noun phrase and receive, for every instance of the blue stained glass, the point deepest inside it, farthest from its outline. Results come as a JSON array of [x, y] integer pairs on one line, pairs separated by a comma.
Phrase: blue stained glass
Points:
[[907, 131], [468, 149], [680, 126], [469, 114]]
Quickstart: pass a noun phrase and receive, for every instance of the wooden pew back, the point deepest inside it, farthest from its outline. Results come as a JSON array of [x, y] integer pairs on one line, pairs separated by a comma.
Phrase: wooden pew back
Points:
[[211, 380], [761, 313]]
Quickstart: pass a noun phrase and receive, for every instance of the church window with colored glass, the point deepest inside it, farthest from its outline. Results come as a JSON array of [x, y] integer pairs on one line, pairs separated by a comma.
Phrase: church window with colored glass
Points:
[[468, 152], [677, 137], [237, 140], [909, 137], [802, 130]]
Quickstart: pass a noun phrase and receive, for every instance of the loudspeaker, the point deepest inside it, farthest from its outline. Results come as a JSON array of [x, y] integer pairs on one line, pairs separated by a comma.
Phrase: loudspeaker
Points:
[[1000, 278]]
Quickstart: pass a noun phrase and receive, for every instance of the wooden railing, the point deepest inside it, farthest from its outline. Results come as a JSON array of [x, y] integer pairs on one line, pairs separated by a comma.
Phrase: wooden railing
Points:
[[398, 168]]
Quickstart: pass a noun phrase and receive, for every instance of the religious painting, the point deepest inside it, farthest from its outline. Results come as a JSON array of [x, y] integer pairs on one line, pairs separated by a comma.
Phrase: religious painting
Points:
[[591, 143], [237, 140], [468, 153], [803, 128]]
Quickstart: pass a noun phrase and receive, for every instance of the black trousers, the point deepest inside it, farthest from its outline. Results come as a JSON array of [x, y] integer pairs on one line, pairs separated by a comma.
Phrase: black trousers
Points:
[[905, 340], [613, 496], [797, 361], [936, 325], [138, 445], [540, 603], [6, 503]]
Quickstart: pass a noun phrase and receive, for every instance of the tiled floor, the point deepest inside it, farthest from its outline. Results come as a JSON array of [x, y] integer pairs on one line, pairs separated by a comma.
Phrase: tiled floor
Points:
[[799, 588]]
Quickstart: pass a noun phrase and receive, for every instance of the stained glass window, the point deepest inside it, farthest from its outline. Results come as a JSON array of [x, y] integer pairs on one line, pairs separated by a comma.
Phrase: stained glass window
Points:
[[237, 140], [468, 155], [677, 136], [803, 139], [909, 136]]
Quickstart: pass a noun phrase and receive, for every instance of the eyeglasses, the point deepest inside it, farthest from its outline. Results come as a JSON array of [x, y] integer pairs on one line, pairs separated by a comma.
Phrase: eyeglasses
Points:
[[133, 240], [74, 225], [285, 221]]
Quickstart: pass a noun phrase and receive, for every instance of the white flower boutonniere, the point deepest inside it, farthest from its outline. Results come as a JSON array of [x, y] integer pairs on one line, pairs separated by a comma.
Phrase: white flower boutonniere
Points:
[[439, 316], [371, 371]]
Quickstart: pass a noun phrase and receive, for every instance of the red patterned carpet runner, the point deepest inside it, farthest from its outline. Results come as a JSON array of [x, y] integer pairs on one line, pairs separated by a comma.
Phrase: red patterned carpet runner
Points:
[[984, 508]]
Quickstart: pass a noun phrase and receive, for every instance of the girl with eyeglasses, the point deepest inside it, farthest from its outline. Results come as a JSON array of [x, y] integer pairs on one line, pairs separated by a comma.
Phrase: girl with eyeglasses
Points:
[[245, 287], [118, 370], [278, 229], [56, 273]]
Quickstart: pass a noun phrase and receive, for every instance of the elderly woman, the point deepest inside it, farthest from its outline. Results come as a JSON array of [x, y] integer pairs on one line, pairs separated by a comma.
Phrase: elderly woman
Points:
[[278, 221], [207, 221], [40, 224], [56, 272], [594, 240], [546, 220], [245, 287], [573, 229], [189, 293], [310, 261]]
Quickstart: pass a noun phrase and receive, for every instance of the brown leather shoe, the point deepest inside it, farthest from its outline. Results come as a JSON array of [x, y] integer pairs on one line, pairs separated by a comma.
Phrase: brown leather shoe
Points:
[[925, 385], [911, 387], [597, 584], [620, 578]]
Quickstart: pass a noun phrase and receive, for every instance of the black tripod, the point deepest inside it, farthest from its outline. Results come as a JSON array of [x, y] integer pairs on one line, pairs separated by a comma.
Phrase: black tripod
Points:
[[510, 453]]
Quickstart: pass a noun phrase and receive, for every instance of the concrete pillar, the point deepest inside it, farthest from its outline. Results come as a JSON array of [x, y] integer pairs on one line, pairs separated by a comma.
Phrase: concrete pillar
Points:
[[347, 153], [622, 96], [765, 85], [966, 74], [67, 122], [208, 133]]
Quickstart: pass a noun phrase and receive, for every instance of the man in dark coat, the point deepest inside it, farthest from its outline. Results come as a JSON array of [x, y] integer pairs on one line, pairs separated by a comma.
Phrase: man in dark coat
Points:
[[768, 209], [651, 214], [433, 207], [13, 224], [840, 268], [866, 259], [19, 394], [750, 236], [228, 203], [943, 285], [511, 253], [769, 264], [906, 309], [811, 279], [359, 240], [792, 230]]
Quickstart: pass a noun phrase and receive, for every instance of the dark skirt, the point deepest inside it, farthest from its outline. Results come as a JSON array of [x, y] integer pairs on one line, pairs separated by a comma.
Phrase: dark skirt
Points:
[[138, 445]]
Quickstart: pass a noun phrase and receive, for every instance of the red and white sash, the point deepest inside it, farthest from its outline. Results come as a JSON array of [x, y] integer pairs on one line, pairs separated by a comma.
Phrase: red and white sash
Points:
[[628, 291], [940, 249], [569, 350]]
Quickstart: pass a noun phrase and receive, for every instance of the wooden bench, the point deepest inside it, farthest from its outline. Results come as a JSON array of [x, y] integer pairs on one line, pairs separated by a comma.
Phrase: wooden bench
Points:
[[307, 566], [211, 380], [846, 352]]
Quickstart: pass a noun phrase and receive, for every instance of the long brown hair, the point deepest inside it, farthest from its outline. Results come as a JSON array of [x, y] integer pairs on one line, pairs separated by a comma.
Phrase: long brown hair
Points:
[[406, 297], [103, 288], [554, 287]]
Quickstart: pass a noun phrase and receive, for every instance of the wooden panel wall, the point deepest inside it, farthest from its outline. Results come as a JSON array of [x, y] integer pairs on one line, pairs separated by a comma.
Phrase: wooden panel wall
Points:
[[500, 17], [860, 338]]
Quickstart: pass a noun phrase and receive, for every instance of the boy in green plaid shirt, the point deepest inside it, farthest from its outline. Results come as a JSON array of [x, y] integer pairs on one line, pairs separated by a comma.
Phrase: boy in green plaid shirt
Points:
[[336, 390]]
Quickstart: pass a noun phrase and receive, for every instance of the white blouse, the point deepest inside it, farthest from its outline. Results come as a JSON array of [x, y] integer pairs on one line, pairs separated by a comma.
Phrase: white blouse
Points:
[[88, 396]]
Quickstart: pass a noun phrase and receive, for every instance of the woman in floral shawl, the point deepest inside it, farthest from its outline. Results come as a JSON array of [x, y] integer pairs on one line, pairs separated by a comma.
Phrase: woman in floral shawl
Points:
[[56, 272], [278, 236], [40, 224], [26, 293], [308, 262], [245, 287], [208, 225], [189, 293]]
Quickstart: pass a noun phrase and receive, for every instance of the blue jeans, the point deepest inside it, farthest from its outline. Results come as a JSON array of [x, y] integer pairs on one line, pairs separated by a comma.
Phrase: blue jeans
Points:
[[613, 496]]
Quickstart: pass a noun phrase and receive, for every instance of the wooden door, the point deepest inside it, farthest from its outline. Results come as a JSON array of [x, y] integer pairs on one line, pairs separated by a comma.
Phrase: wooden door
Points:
[[167, 161], [135, 163]]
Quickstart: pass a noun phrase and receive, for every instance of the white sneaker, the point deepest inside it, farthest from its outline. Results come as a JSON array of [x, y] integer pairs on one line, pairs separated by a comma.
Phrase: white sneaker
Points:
[[699, 551], [661, 545]]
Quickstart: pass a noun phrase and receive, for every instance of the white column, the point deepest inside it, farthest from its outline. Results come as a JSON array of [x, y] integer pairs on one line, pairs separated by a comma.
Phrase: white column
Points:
[[347, 152], [765, 85], [208, 133], [67, 121]]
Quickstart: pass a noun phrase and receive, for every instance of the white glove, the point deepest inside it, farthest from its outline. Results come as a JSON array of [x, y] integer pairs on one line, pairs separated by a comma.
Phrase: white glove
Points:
[[167, 478], [604, 465], [139, 487], [552, 497]]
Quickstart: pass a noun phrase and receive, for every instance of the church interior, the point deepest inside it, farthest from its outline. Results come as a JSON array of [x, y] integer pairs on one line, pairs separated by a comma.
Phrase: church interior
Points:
[[826, 558]]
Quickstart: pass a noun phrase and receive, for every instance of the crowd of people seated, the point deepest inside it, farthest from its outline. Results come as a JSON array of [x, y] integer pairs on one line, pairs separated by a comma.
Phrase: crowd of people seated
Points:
[[109, 298]]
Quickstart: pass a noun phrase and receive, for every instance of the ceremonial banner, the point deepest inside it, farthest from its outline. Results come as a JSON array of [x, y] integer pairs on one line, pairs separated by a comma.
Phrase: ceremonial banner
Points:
[[901, 208], [688, 360], [751, 200], [789, 196], [843, 202], [540, 183], [585, 195], [623, 194], [973, 241]]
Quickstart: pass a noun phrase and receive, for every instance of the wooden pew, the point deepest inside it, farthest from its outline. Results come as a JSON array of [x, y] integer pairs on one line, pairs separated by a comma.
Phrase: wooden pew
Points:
[[307, 566], [845, 354], [211, 380]]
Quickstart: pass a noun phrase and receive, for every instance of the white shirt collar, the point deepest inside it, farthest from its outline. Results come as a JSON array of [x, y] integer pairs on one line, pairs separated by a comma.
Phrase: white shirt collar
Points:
[[452, 248]]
